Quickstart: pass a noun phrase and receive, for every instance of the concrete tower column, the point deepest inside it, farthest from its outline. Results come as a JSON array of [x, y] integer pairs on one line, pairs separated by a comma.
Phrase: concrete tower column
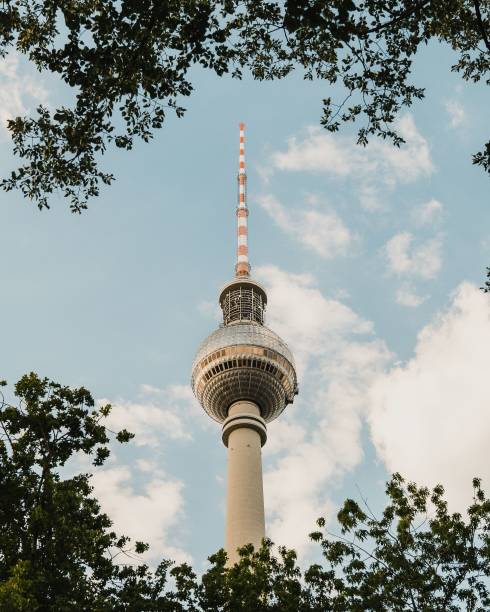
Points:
[[244, 433]]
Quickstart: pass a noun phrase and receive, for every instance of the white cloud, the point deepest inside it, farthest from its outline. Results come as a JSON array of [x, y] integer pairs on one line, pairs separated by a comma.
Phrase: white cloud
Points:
[[178, 393], [370, 197], [300, 310], [372, 171], [456, 112], [150, 389], [17, 91], [322, 232], [293, 494], [148, 465], [303, 316], [427, 212], [321, 152], [430, 418], [283, 434], [150, 421], [411, 160], [150, 514], [319, 437], [317, 461], [142, 500], [424, 261], [406, 296], [341, 294]]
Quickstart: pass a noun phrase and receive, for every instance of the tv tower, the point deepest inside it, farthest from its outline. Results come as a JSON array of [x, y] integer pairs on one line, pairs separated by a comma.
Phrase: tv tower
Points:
[[243, 376]]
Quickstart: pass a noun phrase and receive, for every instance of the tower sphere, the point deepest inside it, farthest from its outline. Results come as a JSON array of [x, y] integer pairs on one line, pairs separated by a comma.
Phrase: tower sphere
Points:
[[244, 360]]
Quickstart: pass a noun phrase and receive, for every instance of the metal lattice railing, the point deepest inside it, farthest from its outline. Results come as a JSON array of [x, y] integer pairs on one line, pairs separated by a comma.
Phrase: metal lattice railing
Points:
[[243, 304]]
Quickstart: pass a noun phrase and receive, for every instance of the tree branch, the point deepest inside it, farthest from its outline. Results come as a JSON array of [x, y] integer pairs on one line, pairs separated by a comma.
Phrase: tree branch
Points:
[[481, 26], [418, 5]]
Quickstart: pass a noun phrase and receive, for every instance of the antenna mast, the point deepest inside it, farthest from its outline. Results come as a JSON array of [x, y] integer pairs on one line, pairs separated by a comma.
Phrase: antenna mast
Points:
[[242, 268]]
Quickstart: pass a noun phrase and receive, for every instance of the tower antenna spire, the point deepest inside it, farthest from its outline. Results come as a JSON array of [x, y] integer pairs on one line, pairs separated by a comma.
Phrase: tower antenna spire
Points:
[[242, 267]]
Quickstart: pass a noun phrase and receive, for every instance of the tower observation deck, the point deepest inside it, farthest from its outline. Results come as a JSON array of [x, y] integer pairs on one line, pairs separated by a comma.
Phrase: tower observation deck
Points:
[[243, 376]]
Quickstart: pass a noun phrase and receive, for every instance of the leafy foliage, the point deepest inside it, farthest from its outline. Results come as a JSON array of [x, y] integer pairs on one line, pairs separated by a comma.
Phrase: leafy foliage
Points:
[[58, 551], [417, 556], [128, 64], [486, 287], [56, 546]]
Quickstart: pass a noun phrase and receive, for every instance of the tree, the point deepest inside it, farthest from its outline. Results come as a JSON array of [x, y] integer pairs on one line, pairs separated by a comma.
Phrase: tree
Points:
[[486, 287], [417, 556], [59, 552], [56, 546], [127, 64]]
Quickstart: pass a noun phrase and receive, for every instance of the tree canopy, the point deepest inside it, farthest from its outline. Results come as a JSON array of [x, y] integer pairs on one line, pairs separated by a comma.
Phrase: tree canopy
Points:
[[58, 550], [56, 546], [128, 62]]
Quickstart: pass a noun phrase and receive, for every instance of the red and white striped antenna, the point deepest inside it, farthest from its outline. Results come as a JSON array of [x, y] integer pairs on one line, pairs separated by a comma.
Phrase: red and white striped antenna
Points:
[[242, 267]]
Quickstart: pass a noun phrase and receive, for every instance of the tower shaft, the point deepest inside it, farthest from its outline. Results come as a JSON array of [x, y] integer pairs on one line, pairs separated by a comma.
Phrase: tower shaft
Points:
[[245, 520]]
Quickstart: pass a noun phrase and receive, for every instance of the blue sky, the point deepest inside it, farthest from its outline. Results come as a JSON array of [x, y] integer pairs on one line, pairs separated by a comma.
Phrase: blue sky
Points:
[[372, 259]]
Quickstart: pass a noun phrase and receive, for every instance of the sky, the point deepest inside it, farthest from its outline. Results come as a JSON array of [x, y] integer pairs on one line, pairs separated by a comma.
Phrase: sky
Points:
[[372, 259]]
